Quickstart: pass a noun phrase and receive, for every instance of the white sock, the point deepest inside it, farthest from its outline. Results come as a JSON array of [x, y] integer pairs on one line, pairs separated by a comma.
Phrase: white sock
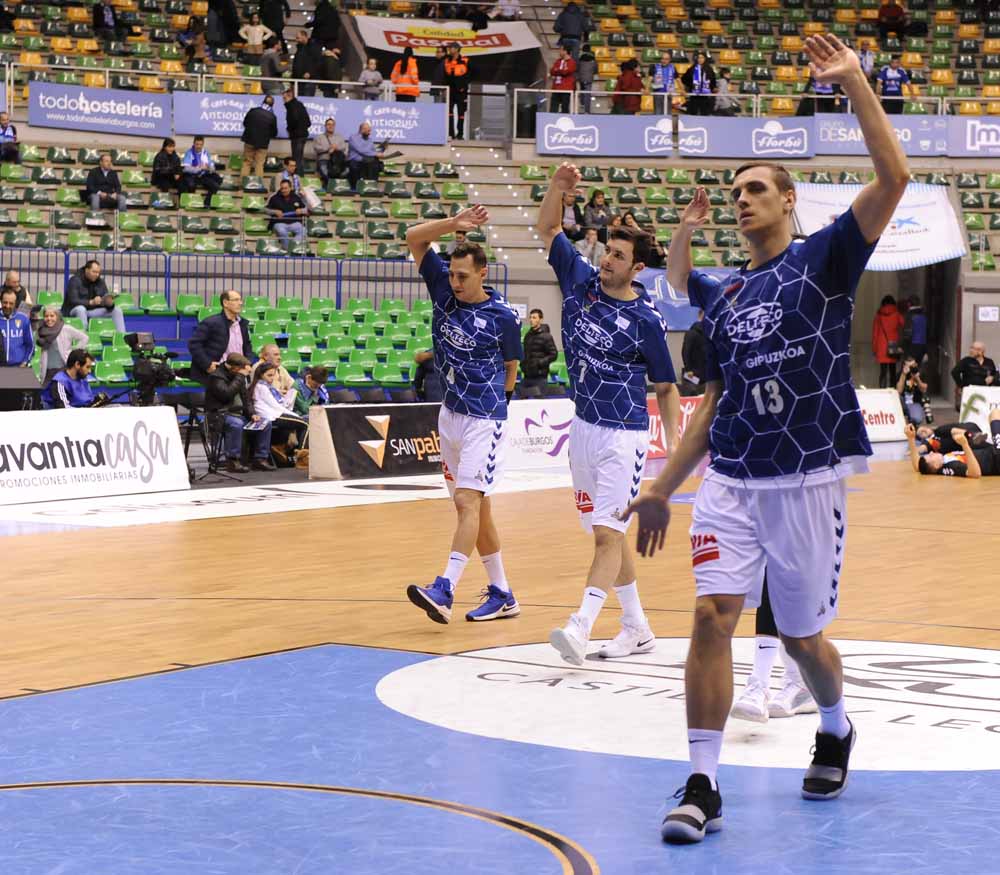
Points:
[[833, 720], [455, 567], [704, 749], [764, 653], [792, 673], [590, 607], [628, 598], [494, 570]]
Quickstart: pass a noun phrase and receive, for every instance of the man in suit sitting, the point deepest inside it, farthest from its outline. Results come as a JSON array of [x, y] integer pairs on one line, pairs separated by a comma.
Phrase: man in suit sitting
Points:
[[219, 336]]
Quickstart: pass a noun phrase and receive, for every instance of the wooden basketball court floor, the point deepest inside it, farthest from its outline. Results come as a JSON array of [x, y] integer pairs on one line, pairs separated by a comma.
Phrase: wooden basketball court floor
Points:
[[255, 694]]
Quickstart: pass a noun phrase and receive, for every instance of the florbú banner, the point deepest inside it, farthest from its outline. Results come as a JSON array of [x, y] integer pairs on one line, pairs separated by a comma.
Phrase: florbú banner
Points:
[[923, 229], [107, 110], [51, 455], [221, 115], [424, 37], [558, 134], [769, 138], [840, 134]]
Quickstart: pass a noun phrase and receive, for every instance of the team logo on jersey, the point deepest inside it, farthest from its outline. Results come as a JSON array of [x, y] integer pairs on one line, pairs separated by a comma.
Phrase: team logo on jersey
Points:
[[592, 334], [456, 337], [704, 548], [754, 323]]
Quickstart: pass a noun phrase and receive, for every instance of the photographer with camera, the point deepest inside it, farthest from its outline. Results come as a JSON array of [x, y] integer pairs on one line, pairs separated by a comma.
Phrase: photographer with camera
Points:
[[69, 387], [229, 406], [220, 335], [912, 391], [87, 297]]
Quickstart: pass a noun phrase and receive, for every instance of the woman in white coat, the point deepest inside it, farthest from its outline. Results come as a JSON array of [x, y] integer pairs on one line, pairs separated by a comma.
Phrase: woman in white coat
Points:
[[54, 338], [276, 407]]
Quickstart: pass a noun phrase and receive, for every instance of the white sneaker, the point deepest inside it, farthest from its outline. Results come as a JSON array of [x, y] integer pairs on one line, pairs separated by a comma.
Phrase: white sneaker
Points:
[[571, 641], [793, 699], [752, 704], [631, 639]]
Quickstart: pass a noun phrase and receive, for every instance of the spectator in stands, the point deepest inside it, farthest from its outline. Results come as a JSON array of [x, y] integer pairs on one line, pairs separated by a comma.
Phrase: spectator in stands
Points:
[[370, 81], [10, 151], [87, 297], [287, 209], [885, 340], [405, 77], [12, 283], [627, 97], [700, 83], [891, 80], [199, 169], [972, 460], [307, 63], [192, 40], [55, 339], [16, 343], [693, 353], [104, 189], [310, 389], [227, 397], [297, 122], [272, 13], [725, 103], [255, 34], [167, 171], [912, 391], [106, 24], [891, 19], [975, 369], [437, 74], [227, 332], [363, 156], [270, 354], [572, 223], [333, 71], [570, 25], [662, 78], [590, 247], [915, 329], [272, 66], [563, 74], [290, 173], [69, 386], [427, 379], [330, 151], [260, 126], [457, 77], [539, 351], [507, 10], [288, 429], [597, 215], [325, 24], [586, 70]]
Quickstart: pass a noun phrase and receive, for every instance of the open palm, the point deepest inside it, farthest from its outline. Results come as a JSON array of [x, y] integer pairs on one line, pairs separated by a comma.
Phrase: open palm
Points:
[[830, 61]]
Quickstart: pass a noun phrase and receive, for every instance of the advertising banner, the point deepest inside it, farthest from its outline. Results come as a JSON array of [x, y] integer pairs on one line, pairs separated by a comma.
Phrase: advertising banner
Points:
[[923, 230], [221, 115], [977, 403], [840, 134], [51, 455], [883, 415], [106, 110], [769, 138], [626, 135], [395, 34], [973, 136]]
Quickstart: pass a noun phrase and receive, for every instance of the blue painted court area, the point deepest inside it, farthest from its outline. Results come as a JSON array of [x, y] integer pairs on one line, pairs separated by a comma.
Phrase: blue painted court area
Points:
[[289, 763]]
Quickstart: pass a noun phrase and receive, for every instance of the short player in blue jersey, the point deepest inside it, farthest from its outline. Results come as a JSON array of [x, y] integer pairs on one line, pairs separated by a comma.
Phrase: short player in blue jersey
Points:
[[477, 347], [614, 337], [782, 424]]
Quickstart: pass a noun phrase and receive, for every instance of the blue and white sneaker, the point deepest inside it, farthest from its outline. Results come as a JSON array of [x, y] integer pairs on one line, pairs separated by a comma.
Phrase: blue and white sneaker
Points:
[[435, 599], [497, 605]]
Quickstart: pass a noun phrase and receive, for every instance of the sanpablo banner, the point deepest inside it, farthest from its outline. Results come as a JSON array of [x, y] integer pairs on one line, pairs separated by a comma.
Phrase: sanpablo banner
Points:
[[396, 34], [923, 230]]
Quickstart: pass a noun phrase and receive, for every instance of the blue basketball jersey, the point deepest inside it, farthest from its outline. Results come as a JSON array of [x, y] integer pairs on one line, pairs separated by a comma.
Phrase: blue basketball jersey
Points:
[[780, 342], [471, 344], [610, 345]]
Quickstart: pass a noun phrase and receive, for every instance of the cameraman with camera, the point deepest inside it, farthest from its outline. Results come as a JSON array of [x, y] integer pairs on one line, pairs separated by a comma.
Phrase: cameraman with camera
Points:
[[912, 391], [230, 408]]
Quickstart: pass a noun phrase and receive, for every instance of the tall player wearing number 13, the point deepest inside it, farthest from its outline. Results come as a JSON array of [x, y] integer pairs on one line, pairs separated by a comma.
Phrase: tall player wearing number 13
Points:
[[782, 423]]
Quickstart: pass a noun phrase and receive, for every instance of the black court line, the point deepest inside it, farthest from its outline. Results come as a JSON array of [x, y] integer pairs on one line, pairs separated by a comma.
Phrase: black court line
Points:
[[573, 858]]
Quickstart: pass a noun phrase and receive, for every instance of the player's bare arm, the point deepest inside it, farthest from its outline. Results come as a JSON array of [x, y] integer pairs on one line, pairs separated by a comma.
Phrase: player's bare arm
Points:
[[550, 213], [679, 255], [419, 237], [831, 62]]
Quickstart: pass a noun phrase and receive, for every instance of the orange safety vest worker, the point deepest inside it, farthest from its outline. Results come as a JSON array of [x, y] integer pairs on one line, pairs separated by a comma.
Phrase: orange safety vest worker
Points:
[[407, 83]]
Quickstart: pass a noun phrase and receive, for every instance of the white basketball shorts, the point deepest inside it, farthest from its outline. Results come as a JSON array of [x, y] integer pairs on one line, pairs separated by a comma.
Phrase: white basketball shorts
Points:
[[606, 465], [796, 534], [472, 451]]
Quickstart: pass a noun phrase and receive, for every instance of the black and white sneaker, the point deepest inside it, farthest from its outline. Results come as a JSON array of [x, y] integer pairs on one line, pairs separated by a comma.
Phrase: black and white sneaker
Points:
[[826, 777], [700, 811]]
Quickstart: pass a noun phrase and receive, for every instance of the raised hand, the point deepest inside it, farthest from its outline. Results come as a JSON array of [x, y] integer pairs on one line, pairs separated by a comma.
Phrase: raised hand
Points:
[[567, 177], [830, 61], [471, 218], [696, 213], [654, 516]]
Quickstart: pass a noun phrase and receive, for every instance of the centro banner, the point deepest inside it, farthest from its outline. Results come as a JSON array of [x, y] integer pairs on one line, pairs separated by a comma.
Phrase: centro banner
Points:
[[770, 138], [221, 115], [923, 230], [977, 403], [630, 135], [51, 455], [396, 34], [840, 134], [106, 110]]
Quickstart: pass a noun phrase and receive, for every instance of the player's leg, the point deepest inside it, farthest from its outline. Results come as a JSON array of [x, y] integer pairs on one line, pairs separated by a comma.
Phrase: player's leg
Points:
[[498, 600], [753, 703]]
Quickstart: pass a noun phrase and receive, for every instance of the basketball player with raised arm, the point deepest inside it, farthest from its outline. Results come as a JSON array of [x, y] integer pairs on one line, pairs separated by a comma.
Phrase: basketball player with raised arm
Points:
[[781, 420], [614, 337], [477, 347]]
